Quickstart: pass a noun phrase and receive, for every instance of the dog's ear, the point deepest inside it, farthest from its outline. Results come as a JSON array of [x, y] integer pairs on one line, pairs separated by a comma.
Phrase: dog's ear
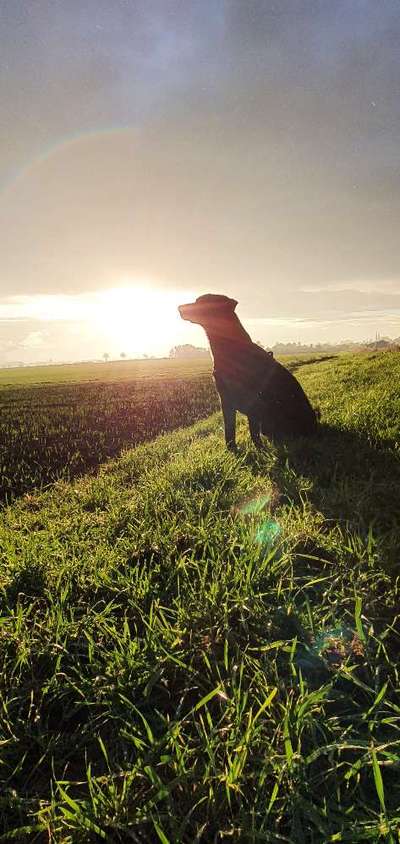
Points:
[[233, 303]]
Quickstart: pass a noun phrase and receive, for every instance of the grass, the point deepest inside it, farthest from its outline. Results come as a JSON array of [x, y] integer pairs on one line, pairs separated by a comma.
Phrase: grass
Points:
[[112, 371], [117, 370], [162, 672], [63, 430], [51, 430]]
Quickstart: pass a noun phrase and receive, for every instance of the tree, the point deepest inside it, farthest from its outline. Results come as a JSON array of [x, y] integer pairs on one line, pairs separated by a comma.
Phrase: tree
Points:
[[188, 351], [106, 357], [122, 355]]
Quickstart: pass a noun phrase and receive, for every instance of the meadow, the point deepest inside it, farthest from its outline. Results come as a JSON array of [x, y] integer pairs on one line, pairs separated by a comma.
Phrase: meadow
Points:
[[115, 371], [61, 421], [203, 647]]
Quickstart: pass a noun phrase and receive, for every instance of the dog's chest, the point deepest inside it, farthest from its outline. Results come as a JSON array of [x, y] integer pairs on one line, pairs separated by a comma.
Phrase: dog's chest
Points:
[[240, 378], [238, 396]]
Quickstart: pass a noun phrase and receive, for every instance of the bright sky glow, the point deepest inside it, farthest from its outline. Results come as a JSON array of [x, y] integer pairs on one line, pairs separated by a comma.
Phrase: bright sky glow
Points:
[[249, 149], [135, 319], [139, 318]]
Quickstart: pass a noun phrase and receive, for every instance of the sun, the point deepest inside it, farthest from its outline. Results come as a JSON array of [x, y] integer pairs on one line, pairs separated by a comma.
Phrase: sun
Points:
[[139, 319]]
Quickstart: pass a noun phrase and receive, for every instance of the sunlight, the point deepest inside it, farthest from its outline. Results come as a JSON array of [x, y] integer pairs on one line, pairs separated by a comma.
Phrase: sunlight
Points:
[[139, 319], [133, 319]]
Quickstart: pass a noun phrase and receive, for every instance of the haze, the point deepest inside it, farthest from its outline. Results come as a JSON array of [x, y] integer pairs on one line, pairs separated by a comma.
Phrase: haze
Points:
[[154, 151]]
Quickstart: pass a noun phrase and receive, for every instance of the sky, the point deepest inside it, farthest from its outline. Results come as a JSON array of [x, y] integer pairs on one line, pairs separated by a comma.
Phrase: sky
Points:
[[155, 150]]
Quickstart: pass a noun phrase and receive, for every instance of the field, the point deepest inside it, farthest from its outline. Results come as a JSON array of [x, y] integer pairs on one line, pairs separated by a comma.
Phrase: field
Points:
[[61, 421], [114, 371], [202, 647]]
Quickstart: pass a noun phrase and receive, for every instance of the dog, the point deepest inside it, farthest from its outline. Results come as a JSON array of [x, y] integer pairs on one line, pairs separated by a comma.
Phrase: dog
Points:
[[248, 378]]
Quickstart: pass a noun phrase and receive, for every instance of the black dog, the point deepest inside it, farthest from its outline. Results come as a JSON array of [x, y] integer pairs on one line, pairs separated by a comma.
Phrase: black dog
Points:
[[248, 378]]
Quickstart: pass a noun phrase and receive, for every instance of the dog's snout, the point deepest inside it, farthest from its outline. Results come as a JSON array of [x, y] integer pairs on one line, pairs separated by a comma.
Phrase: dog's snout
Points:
[[185, 311]]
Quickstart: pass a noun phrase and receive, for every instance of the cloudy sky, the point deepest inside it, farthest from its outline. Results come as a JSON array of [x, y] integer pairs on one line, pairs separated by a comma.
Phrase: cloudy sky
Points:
[[153, 150]]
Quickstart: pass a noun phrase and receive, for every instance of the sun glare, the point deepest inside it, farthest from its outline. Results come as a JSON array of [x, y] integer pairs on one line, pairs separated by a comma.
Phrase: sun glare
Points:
[[140, 319], [133, 319]]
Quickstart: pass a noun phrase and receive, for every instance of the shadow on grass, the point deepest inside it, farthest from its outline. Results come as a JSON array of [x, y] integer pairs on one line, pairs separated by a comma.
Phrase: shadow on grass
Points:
[[349, 480], [298, 364]]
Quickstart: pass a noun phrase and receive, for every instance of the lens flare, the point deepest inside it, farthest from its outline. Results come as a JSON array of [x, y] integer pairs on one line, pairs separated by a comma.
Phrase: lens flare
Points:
[[267, 531], [253, 506]]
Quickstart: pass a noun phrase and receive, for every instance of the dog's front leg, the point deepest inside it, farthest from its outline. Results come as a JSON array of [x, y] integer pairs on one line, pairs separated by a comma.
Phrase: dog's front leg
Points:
[[229, 414], [255, 426]]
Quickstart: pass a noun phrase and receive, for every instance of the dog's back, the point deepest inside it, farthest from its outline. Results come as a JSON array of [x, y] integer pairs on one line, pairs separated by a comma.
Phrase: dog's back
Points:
[[286, 408]]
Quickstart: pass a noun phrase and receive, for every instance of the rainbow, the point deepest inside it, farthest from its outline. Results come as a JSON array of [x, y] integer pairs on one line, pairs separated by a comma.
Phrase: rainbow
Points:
[[55, 149]]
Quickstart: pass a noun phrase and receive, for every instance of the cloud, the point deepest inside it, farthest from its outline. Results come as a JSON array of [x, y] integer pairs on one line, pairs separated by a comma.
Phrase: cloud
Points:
[[33, 340], [263, 158], [320, 304]]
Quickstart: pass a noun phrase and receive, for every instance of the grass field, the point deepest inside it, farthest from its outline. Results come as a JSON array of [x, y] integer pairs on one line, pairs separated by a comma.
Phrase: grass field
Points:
[[113, 371], [155, 369], [61, 421], [202, 647], [51, 430]]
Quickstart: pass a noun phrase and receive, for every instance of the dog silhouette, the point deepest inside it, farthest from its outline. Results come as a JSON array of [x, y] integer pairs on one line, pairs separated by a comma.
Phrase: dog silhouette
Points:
[[248, 378]]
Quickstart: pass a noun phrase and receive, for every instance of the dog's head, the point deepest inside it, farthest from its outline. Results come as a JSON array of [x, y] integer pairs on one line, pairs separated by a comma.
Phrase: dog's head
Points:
[[206, 309]]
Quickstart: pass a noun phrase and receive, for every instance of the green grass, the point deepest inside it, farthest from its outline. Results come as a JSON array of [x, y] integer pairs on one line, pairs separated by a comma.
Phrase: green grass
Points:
[[60, 429], [63, 430], [113, 371], [158, 634], [116, 370]]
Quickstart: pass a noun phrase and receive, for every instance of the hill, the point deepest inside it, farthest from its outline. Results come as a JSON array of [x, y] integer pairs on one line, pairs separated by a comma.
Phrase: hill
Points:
[[202, 647]]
